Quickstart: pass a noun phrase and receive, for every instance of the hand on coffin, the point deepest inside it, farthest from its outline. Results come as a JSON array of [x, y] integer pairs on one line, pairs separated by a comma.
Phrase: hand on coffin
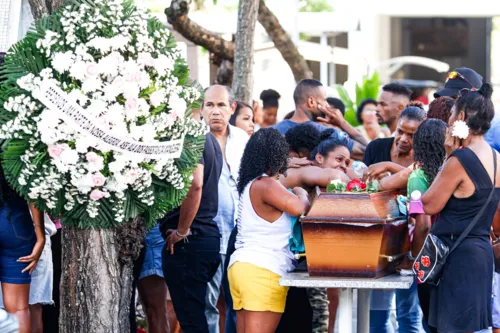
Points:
[[379, 171], [404, 263]]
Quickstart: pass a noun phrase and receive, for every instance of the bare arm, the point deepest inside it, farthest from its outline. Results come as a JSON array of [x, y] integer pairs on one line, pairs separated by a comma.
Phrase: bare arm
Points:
[[378, 169], [312, 176], [322, 177], [398, 181], [358, 151], [190, 205], [189, 209], [276, 195], [39, 225], [443, 186], [422, 228]]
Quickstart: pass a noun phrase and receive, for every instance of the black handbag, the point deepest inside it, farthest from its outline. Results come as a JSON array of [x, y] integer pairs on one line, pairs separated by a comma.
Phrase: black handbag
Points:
[[428, 266]]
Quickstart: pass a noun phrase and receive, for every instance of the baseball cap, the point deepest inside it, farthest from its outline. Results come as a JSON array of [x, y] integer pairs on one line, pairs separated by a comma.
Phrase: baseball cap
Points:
[[458, 79]]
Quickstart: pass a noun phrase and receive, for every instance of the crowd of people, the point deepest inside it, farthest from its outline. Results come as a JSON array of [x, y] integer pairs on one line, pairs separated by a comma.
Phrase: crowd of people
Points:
[[214, 264]]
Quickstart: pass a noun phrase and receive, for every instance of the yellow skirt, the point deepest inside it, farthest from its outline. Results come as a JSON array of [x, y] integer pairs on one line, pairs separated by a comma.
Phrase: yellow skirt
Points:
[[255, 288]]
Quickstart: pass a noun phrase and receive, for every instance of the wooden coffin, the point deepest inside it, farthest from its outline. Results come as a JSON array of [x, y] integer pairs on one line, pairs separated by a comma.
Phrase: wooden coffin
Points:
[[354, 235]]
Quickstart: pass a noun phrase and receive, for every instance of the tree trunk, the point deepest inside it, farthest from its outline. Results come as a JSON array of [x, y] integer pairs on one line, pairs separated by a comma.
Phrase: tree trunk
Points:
[[283, 43], [243, 55], [40, 8], [96, 287]]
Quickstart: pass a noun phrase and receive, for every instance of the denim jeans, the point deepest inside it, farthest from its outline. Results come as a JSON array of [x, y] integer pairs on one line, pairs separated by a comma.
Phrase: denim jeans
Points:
[[213, 291], [407, 310], [187, 274]]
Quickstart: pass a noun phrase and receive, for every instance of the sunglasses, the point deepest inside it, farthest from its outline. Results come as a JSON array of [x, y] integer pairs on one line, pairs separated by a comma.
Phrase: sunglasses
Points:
[[455, 75], [464, 91]]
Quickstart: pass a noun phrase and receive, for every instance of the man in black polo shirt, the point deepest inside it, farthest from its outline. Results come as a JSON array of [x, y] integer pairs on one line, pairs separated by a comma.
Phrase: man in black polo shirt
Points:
[[191, 253]]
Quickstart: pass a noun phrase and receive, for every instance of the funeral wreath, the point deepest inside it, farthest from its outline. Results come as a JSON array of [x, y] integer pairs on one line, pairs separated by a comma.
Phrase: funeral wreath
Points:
[[95, 115]]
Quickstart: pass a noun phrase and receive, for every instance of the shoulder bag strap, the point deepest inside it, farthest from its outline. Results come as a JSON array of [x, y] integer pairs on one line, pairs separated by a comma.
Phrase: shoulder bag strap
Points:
[[471, 225]]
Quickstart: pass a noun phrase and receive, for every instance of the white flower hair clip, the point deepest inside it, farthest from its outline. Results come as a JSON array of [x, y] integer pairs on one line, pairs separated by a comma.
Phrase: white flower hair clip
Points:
[[460, 130]]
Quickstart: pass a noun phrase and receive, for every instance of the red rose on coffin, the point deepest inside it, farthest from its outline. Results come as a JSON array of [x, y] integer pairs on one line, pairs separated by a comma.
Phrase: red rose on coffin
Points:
[[426, 261], [420, 275], [355, 185], [417, 265]]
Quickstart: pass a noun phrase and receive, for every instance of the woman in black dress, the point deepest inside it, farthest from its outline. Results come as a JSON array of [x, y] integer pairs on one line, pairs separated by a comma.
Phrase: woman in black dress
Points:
[[462, 300]]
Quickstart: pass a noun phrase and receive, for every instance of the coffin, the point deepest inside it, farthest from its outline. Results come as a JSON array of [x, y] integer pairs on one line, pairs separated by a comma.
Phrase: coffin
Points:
[[354, 234]]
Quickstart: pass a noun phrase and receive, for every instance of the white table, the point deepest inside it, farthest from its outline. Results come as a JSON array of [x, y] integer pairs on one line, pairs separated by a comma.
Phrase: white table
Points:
[[346, 286]]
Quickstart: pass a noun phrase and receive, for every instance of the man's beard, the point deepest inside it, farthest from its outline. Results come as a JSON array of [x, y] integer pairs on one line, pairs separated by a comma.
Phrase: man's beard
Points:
[[314, 116]]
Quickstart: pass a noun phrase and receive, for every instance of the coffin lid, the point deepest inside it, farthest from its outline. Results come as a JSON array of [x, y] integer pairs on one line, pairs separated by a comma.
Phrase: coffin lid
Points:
[[381, 207]]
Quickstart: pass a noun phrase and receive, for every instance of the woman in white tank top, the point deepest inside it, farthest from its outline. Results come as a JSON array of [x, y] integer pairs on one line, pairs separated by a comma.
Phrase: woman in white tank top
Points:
[[262, 253]]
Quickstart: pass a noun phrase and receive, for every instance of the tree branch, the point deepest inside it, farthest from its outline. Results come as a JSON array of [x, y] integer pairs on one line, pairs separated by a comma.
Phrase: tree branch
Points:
[[283, 43], [177, 16]]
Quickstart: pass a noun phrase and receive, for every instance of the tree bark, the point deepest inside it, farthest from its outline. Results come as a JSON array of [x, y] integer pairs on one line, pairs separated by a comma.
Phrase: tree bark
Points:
[[243, 55], [177, 16], [96, 287], [283, 43], [40, 8]]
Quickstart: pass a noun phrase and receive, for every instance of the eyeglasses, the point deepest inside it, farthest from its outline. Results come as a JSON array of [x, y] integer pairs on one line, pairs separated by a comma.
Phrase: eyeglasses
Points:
[[464, 91], [454, 75]]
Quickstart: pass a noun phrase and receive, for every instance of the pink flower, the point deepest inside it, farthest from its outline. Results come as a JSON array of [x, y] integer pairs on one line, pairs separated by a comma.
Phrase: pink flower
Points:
[[131, 176], [137, 77], [98, 179], [118, 83], [131, 103], [91, 69], [156, 98], [96, 195], [56, 150], [92, 157]]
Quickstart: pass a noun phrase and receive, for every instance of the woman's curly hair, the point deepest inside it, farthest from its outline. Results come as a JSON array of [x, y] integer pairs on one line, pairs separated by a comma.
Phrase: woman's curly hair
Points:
[[440, 108], [266, 152], [428, 147]]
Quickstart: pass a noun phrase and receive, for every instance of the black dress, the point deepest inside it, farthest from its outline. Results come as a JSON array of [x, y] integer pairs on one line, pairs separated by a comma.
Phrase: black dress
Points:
[[462, 300]]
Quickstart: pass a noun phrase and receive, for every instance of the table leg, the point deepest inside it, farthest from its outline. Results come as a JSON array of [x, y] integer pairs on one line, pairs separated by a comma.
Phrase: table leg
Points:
[[345, 310], [363, 310]]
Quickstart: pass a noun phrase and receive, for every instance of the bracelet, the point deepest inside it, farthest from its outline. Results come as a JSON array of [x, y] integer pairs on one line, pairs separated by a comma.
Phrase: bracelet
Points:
[[180, 235], [410, 256]]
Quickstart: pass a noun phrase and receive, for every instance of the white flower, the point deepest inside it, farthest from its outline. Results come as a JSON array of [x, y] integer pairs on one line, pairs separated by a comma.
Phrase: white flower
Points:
[[69, 156], [26, 82], [163, 64], [146, 59], [178, 105], [337, 182], [78, 96], [85, 183], [460, 130], [97, 107], [130, 90], [62, 61], [78, 69], [157, 97], [91, 84]]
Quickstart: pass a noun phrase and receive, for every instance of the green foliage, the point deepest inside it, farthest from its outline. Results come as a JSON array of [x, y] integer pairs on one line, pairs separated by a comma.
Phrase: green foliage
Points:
[[369, 88], [25, 57], [315, 6]]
